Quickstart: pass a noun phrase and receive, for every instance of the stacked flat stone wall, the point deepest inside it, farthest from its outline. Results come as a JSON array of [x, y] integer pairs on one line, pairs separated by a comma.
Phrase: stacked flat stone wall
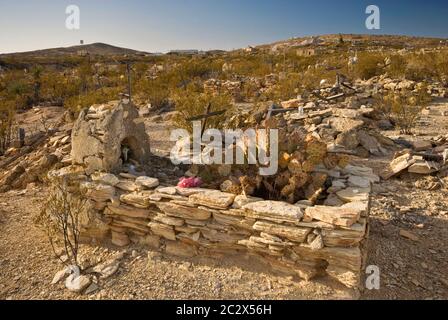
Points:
[[302, 239]]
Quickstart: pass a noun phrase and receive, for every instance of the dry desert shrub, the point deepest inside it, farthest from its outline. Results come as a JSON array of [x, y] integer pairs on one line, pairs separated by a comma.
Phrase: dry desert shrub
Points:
[[420, 67], [441, 63], [7, 112], [190, 103], [397, 66], [404, 107], [61, 218], [286, 88], [368, 65], [78, 102], [156, 91]]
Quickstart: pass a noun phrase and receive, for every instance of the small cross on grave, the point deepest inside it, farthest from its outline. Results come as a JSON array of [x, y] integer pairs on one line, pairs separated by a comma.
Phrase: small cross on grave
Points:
[[205, 116]]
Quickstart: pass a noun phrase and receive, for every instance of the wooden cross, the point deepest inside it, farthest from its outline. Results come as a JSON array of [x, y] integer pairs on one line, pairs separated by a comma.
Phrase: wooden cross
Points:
[[22, 137], [128, 70], [273, 110], [205, 116]]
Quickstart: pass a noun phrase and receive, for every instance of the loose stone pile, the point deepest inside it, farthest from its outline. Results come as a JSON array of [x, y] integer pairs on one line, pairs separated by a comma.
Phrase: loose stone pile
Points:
[[216, 87], [29, 164], [300, 239], [417, 163], [345, 130]]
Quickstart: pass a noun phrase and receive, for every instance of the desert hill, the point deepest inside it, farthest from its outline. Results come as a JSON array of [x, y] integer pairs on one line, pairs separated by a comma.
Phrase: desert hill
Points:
[[97, 48]]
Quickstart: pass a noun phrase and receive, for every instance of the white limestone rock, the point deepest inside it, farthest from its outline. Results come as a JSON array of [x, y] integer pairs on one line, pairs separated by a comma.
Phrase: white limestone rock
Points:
[[147, 182], [276, 210]]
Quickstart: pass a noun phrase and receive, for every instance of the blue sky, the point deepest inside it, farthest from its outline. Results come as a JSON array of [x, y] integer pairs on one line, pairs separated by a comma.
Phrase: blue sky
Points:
[[162, 25]]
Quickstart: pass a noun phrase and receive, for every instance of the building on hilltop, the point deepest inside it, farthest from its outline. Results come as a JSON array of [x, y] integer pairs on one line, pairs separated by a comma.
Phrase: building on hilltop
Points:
[[184, 52]]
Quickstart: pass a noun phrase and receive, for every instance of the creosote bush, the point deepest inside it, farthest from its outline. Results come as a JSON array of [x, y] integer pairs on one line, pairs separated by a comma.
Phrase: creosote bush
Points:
[[61, 218], [404, 107], [7, 112], [79, 102], [369, 65], [193, 102]]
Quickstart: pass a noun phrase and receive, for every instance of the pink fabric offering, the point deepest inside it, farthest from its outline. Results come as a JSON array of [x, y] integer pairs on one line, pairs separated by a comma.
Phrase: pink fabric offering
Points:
[[189, 182]]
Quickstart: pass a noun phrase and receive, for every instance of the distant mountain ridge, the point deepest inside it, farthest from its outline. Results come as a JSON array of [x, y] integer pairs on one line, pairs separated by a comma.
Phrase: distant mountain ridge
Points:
[[97, 48]]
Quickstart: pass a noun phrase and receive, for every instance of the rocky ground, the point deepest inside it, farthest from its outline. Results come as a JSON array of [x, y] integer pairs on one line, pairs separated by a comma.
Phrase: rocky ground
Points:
[[28, 267], [413, 265], [408, 242]]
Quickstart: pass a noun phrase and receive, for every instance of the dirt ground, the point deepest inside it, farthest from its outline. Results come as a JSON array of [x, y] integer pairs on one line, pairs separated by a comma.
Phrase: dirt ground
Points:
[[410, 269]]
